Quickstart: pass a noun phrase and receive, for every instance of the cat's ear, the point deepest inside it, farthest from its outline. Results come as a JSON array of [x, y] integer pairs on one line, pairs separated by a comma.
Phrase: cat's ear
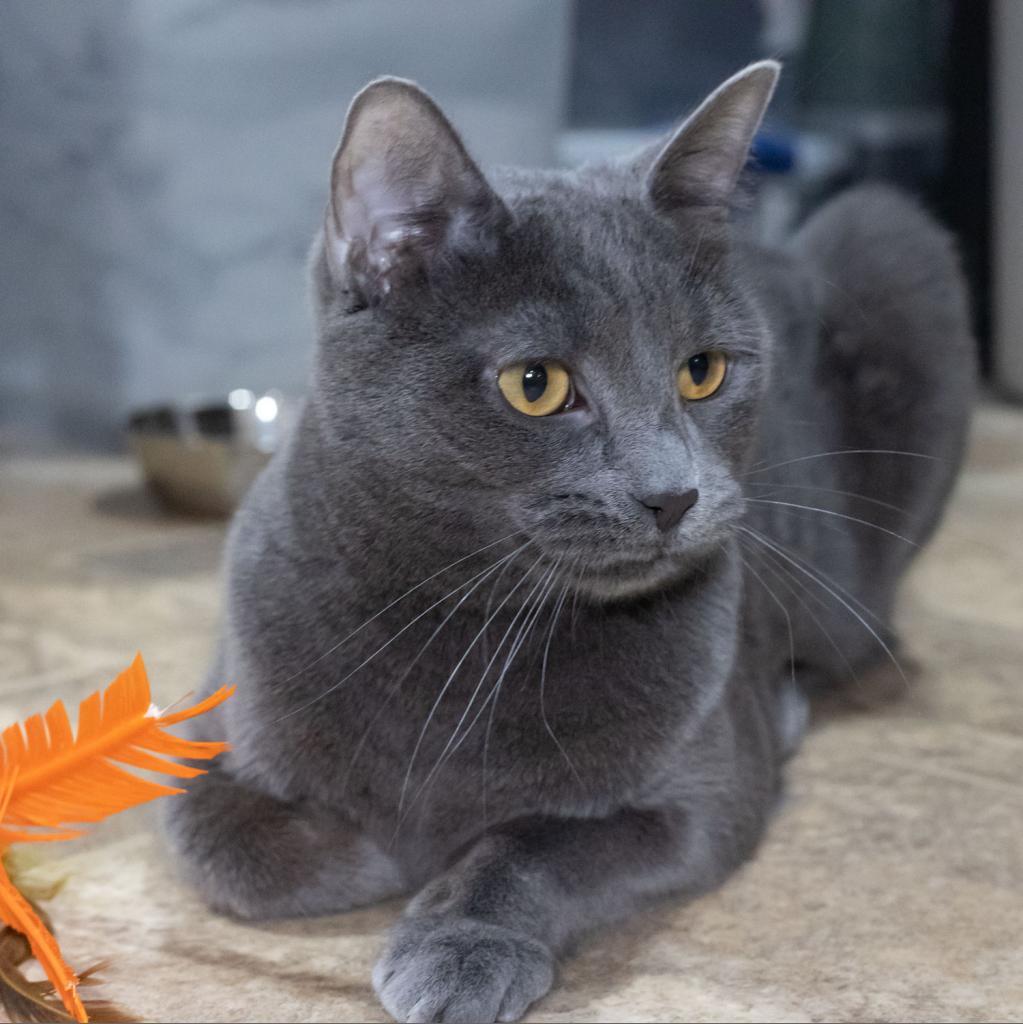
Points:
[[697, 169], [404, 194]]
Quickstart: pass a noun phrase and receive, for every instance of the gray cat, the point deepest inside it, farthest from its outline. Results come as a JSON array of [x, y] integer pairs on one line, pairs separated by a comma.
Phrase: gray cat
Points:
[[586, 491]]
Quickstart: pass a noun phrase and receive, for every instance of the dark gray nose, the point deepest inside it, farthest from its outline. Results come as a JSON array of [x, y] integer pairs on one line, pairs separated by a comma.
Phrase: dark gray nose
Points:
[[668, 508]]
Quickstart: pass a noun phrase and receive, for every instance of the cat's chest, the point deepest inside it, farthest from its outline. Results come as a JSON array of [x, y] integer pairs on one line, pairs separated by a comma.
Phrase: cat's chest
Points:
[[578, 725], [453, 716]]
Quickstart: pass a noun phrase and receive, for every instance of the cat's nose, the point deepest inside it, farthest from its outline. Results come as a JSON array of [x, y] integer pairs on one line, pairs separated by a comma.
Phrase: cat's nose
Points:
[[669, 508]]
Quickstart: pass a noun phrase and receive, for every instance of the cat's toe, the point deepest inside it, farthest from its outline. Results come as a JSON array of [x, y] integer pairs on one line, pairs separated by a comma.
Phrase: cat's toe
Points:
[[459, 970]]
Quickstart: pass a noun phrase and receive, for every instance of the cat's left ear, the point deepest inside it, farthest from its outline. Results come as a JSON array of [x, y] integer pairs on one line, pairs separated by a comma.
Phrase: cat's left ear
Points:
[[697, 170], [405, 196]]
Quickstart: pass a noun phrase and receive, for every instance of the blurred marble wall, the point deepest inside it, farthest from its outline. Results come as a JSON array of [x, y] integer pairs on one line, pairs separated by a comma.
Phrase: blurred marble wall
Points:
[[163, 167]]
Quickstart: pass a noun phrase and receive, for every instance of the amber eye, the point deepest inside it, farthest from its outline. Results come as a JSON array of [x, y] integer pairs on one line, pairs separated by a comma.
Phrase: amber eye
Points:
[[537, 389], [702, 375]]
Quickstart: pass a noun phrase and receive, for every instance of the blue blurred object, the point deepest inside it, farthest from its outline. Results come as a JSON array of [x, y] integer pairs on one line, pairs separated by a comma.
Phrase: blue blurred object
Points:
[[773, 152]]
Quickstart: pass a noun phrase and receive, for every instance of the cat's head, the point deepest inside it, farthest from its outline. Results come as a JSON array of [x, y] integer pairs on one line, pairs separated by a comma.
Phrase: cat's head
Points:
[[574, 355]]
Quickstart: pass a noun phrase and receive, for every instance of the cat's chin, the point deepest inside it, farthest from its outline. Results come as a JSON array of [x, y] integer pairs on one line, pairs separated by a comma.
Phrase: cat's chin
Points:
[[628, 580]]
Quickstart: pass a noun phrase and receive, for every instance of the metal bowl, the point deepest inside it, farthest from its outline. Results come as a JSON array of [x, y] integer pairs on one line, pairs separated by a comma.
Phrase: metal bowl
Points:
[[202, 457]]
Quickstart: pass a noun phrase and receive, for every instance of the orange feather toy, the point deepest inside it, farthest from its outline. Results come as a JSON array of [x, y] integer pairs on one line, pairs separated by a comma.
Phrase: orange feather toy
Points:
[[52, 780]]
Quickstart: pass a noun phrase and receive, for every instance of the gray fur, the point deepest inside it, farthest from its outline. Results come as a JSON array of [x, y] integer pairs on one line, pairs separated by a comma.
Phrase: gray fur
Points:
[[645, 703]]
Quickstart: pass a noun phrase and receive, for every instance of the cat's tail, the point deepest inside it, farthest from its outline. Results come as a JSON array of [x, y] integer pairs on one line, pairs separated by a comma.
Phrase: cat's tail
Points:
[[897, 350]]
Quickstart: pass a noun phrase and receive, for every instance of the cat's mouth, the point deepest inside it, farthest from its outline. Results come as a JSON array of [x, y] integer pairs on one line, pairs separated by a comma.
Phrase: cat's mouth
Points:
[[635, 570], [611, 565]]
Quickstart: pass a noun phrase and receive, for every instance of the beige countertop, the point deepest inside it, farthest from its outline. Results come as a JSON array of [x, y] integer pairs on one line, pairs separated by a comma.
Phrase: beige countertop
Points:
[[890, 887]]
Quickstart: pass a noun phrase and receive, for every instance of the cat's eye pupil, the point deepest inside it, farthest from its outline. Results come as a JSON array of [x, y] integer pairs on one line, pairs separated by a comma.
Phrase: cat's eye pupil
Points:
[[699, 366], [534, 382]]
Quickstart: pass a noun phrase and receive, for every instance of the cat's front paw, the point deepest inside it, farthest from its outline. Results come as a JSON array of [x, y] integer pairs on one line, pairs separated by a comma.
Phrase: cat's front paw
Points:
[[456, 969]]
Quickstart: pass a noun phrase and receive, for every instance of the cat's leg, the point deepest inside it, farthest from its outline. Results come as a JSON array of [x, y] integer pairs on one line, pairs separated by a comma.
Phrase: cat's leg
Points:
[[791, 712], [479, 943], [254, 857], [840, 649]]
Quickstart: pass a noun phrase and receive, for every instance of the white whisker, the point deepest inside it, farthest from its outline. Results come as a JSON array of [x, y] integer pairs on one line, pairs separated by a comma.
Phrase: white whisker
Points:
[[788, 618], [543, 682], [397, 600], [788, 580], [451, 746], [829, 490], [384, 646], [844, 451], [865, 609], [501, 563], [837, 515], [448, 682], [524, 631], [485, 645], [852, 611], [575, 596], [818, 524]]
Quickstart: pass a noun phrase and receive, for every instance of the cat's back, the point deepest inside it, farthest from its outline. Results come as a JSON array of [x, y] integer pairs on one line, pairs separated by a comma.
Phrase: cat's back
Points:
[[896, 344], [873, 248], [866, 410]]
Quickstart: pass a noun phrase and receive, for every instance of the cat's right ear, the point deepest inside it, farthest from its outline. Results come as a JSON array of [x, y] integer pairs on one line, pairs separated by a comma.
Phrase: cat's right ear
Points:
[[696, 171], [405, 197]]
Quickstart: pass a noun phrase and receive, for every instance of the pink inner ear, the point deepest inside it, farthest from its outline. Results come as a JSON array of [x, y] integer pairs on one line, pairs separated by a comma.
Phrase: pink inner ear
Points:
[[377, 222], [403, 187]]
